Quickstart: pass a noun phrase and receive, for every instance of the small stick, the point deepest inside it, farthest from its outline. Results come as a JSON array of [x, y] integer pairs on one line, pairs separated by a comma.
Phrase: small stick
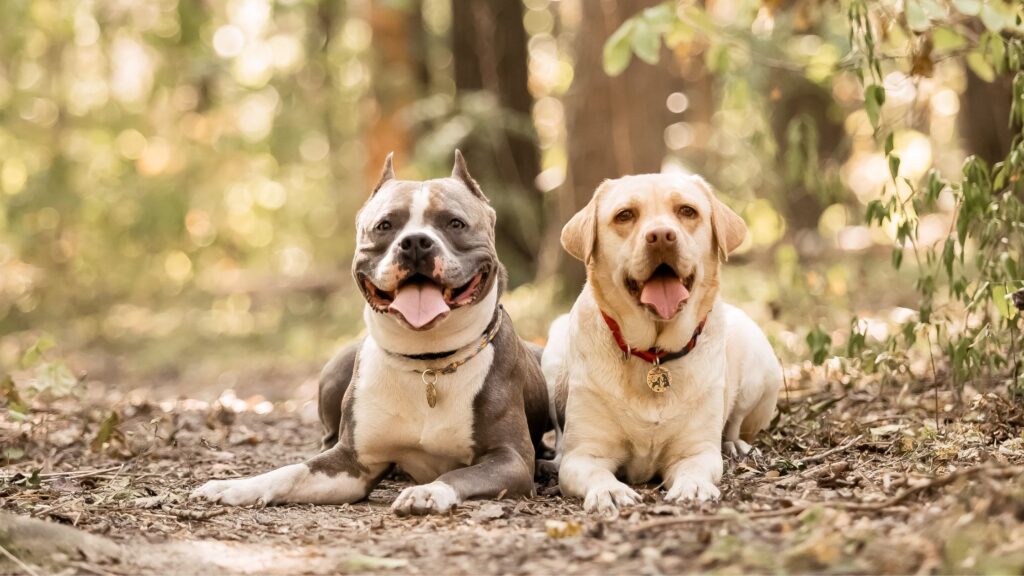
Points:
[[854, 506], [75, 474], [193, 514], [819, 457], [18, 562], [818, 471]]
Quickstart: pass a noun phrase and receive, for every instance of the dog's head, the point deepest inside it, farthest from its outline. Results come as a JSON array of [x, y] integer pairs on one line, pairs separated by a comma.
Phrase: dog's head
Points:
[[425, 249], [653, 240]]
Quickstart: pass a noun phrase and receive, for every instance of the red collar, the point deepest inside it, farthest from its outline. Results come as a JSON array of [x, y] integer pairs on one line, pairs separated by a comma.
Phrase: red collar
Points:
[[652, 355]]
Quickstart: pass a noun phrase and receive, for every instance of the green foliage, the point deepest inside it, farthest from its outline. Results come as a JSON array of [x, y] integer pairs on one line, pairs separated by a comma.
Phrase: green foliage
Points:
[[980, 258], [820, 344], [642, 35]]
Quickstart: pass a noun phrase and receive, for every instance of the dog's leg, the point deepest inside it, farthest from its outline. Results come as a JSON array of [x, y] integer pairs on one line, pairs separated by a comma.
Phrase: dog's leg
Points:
[[732, 445], [593, 479], [504, 464], [695, 477], [331, 477], [334, 381]]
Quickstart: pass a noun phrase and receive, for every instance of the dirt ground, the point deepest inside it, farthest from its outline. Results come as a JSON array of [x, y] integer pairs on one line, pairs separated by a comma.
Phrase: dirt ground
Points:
[[854, 476]]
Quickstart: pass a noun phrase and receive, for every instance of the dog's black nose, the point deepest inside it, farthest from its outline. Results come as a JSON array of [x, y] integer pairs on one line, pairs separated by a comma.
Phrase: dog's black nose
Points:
[[416, 246]]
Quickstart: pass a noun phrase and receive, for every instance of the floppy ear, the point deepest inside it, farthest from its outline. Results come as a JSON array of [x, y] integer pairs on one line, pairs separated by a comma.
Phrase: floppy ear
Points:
[[461, 172], [728, 227], [579, 235], [387, 173]]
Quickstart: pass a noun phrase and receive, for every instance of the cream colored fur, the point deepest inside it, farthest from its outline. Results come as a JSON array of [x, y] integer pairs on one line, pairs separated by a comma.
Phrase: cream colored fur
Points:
[[616, 427]]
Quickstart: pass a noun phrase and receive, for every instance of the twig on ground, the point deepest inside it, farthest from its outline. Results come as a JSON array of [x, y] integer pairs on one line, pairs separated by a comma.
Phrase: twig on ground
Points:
[[819, 471], [72, 474], [819, 457], [854, 506], [193, 514], [17, 561]]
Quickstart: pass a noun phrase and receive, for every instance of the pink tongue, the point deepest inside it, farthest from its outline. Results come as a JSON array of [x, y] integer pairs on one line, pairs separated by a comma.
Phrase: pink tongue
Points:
[[665, 293], [419, 303]]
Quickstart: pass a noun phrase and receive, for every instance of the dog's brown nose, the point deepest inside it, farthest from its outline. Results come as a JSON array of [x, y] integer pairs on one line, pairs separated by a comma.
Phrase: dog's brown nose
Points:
[[661, 236]]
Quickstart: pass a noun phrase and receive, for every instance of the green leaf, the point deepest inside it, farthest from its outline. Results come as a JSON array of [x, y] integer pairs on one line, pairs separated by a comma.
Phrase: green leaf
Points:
[[662, 17], [106, 431], [933, 10], [946, 40], [874, 98], [54, 379], [978, 64], [9, 393], [617, 52], [820, 344], [646, 42], [1002, 301], [917, 20], [889, 143], [949, 256], [894, 165], [967, 7], [35, 353], [994, 18]]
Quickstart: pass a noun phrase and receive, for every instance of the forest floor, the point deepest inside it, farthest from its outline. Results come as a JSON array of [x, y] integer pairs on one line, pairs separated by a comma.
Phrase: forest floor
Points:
[[868, 477]]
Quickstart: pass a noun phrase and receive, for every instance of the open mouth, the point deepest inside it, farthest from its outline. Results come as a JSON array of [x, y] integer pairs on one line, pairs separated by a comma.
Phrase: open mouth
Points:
[[664, 292], [421, 301]]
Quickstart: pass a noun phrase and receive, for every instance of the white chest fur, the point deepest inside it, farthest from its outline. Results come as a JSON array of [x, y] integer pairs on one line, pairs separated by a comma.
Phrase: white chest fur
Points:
[[394, 423], [656, 429]]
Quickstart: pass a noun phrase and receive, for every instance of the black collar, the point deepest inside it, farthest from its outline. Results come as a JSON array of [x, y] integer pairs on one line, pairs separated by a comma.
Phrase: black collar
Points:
[[439, 355]]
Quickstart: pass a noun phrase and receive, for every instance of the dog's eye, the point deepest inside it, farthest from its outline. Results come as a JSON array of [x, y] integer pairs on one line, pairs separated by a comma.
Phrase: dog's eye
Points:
[[456, 224], [624, 216], [383, 226], [687, 212]]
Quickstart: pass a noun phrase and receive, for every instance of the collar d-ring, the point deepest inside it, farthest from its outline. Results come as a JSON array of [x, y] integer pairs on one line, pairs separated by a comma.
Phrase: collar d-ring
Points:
[[429, 376]]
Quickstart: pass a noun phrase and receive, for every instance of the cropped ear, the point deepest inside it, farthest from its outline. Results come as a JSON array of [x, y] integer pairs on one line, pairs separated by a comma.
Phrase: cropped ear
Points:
[[461, 172], [728, 227], [387, 173], [579, 235]]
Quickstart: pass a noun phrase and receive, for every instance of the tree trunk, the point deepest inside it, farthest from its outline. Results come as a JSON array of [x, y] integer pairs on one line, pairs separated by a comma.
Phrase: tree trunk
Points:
[[615, 125], [395, 89], [985, 117], [800, 100], [490, 55]]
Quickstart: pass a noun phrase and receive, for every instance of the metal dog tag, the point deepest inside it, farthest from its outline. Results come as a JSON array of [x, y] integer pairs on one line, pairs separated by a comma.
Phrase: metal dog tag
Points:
[[429, 378], [659, 378]]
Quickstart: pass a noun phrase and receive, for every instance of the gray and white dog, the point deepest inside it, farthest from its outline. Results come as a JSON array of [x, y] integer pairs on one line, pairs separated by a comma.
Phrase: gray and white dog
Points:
[[440, 385]]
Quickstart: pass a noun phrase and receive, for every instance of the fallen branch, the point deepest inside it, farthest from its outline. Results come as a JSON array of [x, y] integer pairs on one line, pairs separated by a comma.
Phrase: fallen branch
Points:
[[895, 500]]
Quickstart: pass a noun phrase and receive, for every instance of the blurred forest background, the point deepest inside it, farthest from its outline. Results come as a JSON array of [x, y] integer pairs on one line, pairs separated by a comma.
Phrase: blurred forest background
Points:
[[179, 178]]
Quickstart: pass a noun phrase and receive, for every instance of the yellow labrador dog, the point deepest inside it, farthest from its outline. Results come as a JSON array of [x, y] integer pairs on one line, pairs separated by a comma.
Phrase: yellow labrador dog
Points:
[[650, 369]]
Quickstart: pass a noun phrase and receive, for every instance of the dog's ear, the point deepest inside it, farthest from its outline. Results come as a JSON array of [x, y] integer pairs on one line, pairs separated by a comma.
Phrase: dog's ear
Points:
[[387, 173], [579, 235], [461, 173], [728, 227]]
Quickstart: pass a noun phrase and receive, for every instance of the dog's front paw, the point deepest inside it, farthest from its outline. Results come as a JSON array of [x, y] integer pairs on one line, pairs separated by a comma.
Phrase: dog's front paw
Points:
[[689, 488], [262, 490], [240, 492], [606, 500], [434, 498], [737, 449]]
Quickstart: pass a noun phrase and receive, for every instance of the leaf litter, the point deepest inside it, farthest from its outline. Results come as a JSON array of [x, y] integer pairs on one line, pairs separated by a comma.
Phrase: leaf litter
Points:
[[854, 476]]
